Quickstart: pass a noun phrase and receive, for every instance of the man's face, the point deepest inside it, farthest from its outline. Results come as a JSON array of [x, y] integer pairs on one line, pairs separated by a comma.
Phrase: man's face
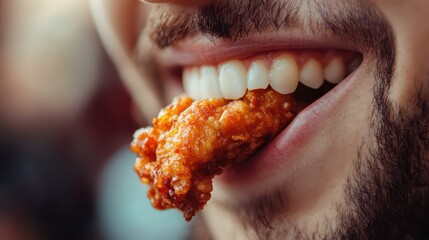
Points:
[[354, 162]]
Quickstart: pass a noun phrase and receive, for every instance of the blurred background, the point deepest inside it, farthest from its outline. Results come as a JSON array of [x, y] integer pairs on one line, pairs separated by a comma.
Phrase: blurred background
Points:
[[65, 124]]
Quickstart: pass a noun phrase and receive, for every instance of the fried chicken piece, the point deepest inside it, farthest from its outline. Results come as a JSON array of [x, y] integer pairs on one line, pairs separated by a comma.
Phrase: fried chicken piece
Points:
[[192, 141]]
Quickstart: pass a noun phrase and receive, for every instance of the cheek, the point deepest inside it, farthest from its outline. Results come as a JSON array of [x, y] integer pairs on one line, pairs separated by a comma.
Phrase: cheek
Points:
[[411, 77], [328, 161], [407, 21]]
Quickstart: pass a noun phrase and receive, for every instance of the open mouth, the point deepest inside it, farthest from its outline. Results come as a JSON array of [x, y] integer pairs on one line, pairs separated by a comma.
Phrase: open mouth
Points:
[[308, 75], [235, 108]]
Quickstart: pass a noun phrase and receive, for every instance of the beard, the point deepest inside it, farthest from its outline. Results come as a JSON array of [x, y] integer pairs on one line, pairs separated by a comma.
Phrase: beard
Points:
[[390, 187], [387, 195]]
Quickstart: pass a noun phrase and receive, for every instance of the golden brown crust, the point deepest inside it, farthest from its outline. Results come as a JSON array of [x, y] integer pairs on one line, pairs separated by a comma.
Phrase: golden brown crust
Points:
[[192, 141]]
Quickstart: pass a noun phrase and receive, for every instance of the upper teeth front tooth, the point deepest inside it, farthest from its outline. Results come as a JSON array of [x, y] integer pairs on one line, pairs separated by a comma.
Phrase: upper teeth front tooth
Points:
[[312, 74], [209, 84], [335, 71], [232, 79], [257, 77], [191, 82], [284, 74]]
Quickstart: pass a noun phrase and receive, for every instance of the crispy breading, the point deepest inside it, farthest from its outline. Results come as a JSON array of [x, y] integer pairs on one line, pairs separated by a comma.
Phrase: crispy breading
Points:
[[192, 141]]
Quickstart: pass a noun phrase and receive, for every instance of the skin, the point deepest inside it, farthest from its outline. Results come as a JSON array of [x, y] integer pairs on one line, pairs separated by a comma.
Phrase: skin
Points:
[[362, 184]]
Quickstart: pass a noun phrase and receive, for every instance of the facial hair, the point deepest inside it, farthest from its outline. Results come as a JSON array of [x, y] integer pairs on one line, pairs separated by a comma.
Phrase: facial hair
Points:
[[386, 197]]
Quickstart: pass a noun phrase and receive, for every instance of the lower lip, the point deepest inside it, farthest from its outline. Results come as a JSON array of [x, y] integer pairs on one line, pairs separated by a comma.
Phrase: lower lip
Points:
[[280, 153]]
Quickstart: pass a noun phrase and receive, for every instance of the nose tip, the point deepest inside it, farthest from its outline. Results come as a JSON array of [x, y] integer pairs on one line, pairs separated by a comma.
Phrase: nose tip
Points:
[[189, 3]]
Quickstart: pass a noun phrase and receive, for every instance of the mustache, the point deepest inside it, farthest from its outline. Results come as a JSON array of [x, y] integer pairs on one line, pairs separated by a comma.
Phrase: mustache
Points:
[[355, 21]]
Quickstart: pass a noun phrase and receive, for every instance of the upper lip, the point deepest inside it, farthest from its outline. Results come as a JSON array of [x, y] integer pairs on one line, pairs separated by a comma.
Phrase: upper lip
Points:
[[199, 50]]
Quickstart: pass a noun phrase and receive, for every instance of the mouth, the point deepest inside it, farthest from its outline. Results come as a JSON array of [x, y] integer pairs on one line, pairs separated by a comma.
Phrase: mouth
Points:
[[316, 74]]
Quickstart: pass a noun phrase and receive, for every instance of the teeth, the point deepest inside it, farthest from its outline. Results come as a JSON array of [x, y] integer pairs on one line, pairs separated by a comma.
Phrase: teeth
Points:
[[232, 79], [335, 71], [209, 83], [284, 74], [257, 77], [191, 83], [312, 74]]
